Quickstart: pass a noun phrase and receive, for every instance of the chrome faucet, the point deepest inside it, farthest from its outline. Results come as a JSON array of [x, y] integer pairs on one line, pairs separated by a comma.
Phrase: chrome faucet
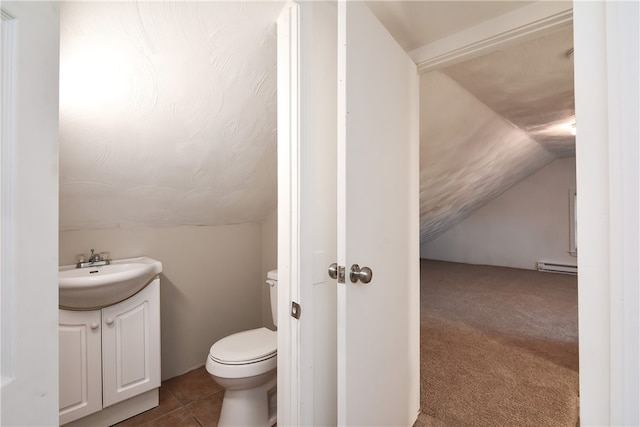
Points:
[[95, 260], [94, 257]]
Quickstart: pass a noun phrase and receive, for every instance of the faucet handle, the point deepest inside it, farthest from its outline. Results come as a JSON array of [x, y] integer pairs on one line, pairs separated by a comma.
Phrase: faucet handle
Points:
[[94, 257]]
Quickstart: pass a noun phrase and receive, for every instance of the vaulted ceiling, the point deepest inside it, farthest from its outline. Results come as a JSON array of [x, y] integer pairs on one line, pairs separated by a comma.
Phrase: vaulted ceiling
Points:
[[168, 111], [489, 122]]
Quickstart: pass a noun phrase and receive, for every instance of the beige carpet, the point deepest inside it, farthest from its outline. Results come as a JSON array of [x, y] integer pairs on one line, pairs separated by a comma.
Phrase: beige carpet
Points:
[[499, 347]]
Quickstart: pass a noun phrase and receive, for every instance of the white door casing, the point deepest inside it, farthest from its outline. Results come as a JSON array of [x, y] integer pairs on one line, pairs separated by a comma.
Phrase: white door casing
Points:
[[307, 82], [607, 58], [288, 176], [378, 322], [29, 288]]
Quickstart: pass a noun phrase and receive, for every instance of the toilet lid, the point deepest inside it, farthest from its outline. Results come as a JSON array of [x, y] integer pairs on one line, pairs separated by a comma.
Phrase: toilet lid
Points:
[[245, 347]]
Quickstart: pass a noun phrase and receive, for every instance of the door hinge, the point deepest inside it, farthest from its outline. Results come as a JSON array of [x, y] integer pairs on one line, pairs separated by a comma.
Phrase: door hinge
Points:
[[295, 310]]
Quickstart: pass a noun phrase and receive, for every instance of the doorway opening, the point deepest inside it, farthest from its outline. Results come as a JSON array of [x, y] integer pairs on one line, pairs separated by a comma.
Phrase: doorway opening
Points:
[[499, 340]]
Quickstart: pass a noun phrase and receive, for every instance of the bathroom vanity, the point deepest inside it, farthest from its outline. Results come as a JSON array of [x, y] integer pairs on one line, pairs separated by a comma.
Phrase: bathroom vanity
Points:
[[110, 356]]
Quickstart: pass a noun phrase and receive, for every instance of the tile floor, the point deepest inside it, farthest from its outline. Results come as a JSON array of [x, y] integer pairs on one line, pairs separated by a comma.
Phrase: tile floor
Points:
[[190, 400]]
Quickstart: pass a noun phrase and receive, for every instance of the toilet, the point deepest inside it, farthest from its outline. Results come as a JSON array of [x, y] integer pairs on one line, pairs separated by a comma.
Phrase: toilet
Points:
[[244, 364]]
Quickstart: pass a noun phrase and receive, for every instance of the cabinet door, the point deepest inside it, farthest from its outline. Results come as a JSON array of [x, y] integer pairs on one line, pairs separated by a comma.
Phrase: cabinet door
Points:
[[80, 364], [131, 345]]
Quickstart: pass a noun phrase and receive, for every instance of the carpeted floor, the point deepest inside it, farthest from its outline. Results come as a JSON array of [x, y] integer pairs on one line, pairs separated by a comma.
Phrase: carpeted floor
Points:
[[499, 346]]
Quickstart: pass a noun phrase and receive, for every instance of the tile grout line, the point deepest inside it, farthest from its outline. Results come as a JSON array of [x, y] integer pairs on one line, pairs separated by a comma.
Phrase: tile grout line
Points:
[[198, 400], [194, 417], [184, 406], [174, 391]]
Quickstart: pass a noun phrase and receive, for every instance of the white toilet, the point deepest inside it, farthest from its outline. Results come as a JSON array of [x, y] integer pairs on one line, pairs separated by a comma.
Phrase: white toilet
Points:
[[245, 365]]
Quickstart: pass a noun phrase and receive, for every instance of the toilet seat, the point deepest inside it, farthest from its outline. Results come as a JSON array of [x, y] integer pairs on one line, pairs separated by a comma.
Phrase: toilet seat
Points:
[[245, 347], [244, 354]]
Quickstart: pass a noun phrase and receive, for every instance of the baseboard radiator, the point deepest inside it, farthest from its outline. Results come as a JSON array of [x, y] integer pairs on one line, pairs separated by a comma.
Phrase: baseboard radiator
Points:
[[552, 267]]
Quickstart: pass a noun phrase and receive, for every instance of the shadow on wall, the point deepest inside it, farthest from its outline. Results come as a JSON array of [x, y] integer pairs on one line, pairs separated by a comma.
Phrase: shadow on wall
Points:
[[173, 305]]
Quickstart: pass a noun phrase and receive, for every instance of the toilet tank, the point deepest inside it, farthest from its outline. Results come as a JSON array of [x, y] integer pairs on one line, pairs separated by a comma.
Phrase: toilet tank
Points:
[[272, 281]]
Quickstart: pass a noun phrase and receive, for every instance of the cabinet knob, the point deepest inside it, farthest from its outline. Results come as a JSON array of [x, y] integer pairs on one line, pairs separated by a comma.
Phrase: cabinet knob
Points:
[[109, 321], [94, 325]]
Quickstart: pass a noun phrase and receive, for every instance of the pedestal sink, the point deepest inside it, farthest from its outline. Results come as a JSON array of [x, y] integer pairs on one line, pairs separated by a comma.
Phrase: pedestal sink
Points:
[[92, 288]]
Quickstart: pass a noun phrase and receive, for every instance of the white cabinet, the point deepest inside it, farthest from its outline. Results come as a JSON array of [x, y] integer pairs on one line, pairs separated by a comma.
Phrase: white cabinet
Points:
[[131, 347], [111, 355], [80, 364]]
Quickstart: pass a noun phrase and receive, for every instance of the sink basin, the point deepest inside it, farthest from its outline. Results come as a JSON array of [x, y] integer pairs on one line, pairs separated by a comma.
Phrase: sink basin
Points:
[[96, 287]]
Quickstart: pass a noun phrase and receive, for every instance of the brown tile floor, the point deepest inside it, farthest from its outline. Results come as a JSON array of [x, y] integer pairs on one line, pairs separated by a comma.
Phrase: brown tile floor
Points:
[[192, 399]]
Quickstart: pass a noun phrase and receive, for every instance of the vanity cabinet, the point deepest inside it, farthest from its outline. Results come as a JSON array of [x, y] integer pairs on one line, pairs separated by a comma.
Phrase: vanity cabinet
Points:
[[110, 356], [80, 364]]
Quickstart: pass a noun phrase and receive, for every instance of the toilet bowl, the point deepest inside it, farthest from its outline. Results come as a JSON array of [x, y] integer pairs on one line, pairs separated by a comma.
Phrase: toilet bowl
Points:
[[244, 364]]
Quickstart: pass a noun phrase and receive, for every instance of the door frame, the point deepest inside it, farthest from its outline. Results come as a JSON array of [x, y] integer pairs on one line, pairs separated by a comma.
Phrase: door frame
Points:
[[607, 162], [29, 196], [288, 81]]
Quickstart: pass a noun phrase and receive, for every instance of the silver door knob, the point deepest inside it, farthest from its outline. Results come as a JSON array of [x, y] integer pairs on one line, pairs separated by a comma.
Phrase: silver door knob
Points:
[[363, 274], [333, 270]]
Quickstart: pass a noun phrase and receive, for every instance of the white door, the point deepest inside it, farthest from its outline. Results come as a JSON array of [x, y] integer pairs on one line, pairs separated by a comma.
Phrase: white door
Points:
[[378, 322], [307, 90], [29, 217], [362, 189]]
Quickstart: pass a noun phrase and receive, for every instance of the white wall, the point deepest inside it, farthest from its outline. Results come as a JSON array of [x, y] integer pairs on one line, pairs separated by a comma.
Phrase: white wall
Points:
[[29, 293], [527, 223], [211, 284], [269, 262]]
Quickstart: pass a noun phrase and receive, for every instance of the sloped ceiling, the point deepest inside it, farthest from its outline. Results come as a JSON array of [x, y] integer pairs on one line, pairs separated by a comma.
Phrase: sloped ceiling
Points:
[[531, 85], [469, 154], [488, 122], [168, 112]]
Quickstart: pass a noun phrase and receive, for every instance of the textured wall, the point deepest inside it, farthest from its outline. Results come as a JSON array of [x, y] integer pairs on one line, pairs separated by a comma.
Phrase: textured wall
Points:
[[468, 154], [168, 113], [527, 223]]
